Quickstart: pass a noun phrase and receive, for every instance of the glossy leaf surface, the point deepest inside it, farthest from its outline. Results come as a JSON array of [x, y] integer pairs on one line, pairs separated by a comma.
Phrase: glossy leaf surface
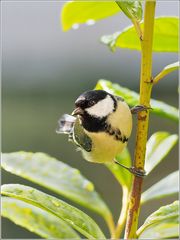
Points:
[[78, 12], [157, 148], [132, 99], [165, 187], [71, 215], [36, 220], [164, 223], [56, 176], [132, 9], [166, 36]]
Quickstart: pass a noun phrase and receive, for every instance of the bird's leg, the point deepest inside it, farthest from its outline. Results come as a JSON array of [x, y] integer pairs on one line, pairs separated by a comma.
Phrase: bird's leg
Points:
[[139, 108], [133, 170], [137, 172]]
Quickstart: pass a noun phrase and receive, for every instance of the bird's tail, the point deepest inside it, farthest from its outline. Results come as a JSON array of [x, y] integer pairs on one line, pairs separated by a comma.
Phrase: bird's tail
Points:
[[65, 124]]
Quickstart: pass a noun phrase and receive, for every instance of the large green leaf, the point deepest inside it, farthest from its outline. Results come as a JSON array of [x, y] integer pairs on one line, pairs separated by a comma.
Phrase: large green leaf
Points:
[[165, 187], [132, 98], [164, 223], [158, 146], [36, 220], [132, 9], [56, 176], [166, 36], [121, 174], [71, 215], [168, 69], [78, 12]]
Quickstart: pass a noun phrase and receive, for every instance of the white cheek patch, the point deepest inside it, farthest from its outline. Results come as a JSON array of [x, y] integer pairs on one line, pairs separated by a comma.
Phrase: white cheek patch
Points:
[[102, 108]]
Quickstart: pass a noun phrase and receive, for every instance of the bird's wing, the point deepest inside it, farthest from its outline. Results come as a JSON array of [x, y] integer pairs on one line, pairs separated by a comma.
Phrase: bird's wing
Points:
[[81, 138], [65, 124]]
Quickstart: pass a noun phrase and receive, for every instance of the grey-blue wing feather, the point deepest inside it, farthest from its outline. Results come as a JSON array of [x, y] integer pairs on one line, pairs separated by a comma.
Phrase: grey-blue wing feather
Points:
[[81, 138]]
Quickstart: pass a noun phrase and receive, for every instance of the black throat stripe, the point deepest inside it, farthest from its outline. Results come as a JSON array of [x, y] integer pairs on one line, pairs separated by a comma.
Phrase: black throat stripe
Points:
[[116, 133], [93, 124]]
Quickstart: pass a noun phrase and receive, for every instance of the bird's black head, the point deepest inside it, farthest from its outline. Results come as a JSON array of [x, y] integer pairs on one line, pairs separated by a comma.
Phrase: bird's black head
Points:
[[90, 98], [93, 107]]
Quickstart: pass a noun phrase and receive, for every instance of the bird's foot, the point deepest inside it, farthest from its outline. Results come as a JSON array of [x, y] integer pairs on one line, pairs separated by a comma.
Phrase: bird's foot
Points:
[[135, 171], [139, 108]]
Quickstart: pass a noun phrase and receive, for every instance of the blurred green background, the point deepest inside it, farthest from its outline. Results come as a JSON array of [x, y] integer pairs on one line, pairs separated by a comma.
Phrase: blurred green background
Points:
[[44, 70]]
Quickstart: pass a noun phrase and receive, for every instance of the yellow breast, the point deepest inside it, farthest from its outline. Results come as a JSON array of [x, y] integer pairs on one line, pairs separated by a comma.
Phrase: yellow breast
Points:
[[104, 146]]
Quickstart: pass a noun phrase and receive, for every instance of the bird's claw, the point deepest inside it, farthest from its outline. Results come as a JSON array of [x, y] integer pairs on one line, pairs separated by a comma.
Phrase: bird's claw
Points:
[[137, 172], [139, 108]]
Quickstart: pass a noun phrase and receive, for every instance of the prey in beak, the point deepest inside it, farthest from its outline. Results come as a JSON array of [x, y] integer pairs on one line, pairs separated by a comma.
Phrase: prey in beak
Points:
[[77, 111]]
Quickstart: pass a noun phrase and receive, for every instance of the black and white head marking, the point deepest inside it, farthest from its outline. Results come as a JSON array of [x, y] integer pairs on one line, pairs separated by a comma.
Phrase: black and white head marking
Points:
[[96, 106], [103, 107]]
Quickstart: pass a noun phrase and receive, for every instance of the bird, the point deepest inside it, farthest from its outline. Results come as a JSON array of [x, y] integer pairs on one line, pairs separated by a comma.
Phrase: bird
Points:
[[100, 126]]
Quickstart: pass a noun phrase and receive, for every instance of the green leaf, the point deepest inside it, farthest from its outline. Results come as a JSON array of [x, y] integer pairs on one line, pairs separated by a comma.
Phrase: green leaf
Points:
[[168, 69], [36, 220], [166, 30], [164, 223], [132, 9], [78, 12], [121, 174], [56, 176], [71, 215], [158, 146], [132, 98], [165, 187]]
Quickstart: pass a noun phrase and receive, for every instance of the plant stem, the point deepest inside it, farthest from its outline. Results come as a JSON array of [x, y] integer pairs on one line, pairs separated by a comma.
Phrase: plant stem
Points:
[[123, 214], [143, 119], [166, 71], [110, 223], [137, 27]]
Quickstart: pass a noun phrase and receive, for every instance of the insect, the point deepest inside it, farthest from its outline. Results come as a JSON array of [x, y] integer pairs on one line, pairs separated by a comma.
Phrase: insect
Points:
[[100, 126]]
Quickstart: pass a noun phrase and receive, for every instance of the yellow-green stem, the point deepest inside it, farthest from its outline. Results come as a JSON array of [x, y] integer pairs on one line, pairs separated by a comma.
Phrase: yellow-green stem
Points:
[[137, 27], [123, 214], [110, 223], [143, 119]]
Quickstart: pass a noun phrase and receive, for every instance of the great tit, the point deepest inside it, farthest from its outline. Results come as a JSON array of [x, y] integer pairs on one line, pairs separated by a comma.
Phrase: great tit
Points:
[[100, 126]]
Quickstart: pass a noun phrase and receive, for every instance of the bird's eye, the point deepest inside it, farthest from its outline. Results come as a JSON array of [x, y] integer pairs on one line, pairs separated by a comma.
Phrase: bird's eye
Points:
[[91, 102]]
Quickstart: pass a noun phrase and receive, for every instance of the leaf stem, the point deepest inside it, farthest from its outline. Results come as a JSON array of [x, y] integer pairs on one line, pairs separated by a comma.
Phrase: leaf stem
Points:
[[138, 29], [168, 69], [110, 223], [123, 214], [143, 119]]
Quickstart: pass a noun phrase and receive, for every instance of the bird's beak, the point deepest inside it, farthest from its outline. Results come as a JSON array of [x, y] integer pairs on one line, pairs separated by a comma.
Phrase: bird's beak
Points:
[[77, 111]]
